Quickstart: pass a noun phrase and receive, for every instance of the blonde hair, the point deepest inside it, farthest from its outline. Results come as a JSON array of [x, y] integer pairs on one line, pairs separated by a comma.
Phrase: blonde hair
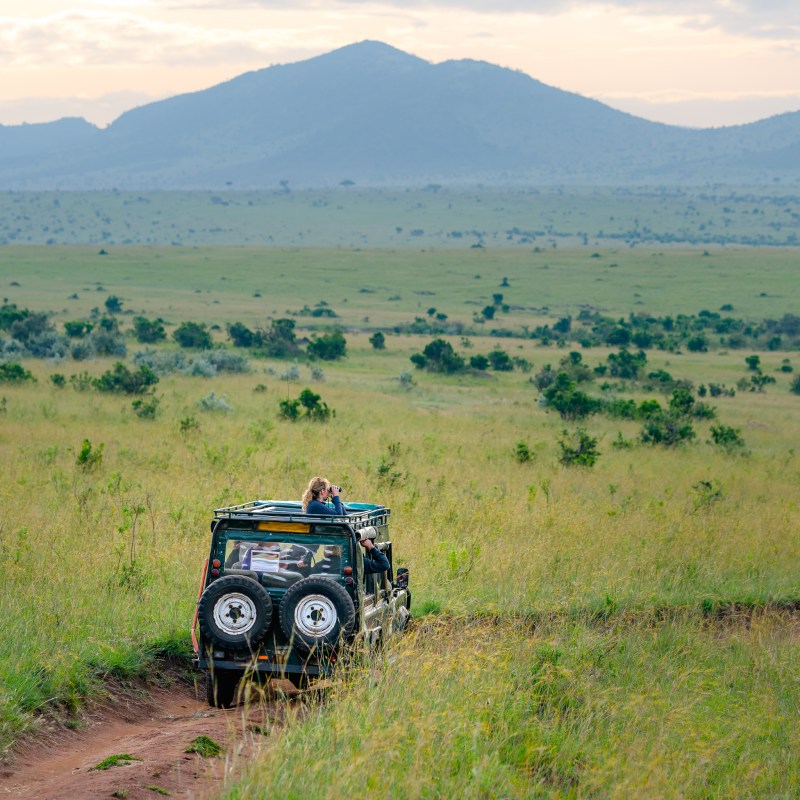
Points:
[[315, 486]]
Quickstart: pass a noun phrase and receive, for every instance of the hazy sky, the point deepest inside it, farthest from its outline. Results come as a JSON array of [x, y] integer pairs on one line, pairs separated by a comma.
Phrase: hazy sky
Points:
[[687, 62]]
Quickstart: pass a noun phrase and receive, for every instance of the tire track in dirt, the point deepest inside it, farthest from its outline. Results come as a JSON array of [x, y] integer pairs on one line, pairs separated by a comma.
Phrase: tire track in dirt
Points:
[[156, 727]]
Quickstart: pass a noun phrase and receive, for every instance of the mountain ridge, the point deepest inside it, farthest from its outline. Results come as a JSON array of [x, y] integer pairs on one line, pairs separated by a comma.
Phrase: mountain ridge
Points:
[[375, 115]]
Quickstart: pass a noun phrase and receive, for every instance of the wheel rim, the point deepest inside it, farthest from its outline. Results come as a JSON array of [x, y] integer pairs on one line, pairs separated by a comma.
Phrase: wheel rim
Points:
[[315, 615], [235, 614]]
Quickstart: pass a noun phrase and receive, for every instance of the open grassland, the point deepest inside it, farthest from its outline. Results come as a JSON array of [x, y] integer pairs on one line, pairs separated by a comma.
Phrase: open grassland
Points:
[[624, 630], [349, 217], [391, 287]]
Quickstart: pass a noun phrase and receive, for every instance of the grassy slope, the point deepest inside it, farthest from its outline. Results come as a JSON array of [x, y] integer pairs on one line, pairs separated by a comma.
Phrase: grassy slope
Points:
[[601, 674]]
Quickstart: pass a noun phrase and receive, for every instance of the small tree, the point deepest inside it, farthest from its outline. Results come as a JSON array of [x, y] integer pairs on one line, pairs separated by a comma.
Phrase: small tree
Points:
[[439, 356], [753, 363], [192, 334], [378, 341], [240, 335], [571, 403], [279, 340]]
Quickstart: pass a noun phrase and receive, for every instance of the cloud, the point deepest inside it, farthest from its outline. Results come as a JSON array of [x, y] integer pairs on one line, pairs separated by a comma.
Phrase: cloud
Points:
[[779, 19], [86, 38]]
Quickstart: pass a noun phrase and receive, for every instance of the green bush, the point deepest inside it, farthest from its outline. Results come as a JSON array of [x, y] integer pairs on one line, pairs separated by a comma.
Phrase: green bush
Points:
[[148, 331], [327, 347], [308, 405], [439, 356], [120, 380], [727, 437], [378, 341], [192, 334], [578, 449], [667, 428], [15, 373], [145, 408], [571, 403]]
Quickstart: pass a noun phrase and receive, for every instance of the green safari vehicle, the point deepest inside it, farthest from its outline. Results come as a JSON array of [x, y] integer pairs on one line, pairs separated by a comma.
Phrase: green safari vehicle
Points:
[[283, 592]]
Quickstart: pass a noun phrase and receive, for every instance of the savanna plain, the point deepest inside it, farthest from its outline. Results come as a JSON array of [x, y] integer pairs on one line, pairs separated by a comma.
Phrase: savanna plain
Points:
[[618, 626]]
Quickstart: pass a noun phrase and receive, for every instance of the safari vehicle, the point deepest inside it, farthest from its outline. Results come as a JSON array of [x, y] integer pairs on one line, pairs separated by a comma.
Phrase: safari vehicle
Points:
[[283, 592]]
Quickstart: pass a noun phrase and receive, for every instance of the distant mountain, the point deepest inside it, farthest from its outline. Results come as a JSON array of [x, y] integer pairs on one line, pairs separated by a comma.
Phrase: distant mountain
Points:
[[374, 115]]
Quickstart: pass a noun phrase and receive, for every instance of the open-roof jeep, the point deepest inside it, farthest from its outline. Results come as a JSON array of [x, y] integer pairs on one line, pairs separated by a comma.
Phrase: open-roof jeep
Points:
[[283, 591]]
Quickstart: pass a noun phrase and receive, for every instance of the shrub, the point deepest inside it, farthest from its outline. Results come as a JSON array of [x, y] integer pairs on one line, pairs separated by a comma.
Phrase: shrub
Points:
[[15, 373], [279, 341], [58, 380], [439, 356], [192, 334], [727, 437], [188, 425], [794, 386], [378, 341], [479, 361], [522, 453], [667, 428], [108, 342], [289, 410], [81, 382], [240, 335], [626, 365], [309, 403], [578, 449], [89, 457], [120, 380], [145, 408], [327, 347], [571, 403], [500, 361], [113, 304], [759, 380], [406, 380], [78, 328], [753, 363], [148, 331], [213, 403]]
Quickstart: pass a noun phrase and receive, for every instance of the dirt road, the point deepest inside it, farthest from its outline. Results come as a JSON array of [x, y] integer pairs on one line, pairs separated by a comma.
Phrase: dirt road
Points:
[[154, 728]]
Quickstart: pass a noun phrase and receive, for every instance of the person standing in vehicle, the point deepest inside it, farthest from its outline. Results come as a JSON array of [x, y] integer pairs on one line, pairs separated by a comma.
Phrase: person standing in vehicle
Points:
[[374, 560], [320, 492]]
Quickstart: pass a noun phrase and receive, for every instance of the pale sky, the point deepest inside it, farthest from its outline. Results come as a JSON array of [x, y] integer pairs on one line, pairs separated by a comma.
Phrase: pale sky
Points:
[[686, 62]]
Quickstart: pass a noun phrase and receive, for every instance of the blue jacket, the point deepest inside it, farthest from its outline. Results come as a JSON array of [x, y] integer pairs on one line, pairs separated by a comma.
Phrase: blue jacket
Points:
[[377, 563], [324, 510]]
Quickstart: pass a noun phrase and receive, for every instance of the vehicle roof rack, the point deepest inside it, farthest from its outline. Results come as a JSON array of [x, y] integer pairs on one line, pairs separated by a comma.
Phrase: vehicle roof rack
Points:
[[358, 514]]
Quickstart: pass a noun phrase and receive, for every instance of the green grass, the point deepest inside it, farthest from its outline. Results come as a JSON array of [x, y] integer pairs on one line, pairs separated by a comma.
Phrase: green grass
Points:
[[118, 760], [511, 218], [204, 746], [615, 631], [500, 708]]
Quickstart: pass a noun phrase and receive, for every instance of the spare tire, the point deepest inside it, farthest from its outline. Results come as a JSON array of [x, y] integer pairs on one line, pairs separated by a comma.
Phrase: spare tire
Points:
[[316, 612], [234, 613]]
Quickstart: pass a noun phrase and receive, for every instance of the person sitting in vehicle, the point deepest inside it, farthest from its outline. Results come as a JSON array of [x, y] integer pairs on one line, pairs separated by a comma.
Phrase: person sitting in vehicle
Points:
[[321, 491], [375, 560]]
